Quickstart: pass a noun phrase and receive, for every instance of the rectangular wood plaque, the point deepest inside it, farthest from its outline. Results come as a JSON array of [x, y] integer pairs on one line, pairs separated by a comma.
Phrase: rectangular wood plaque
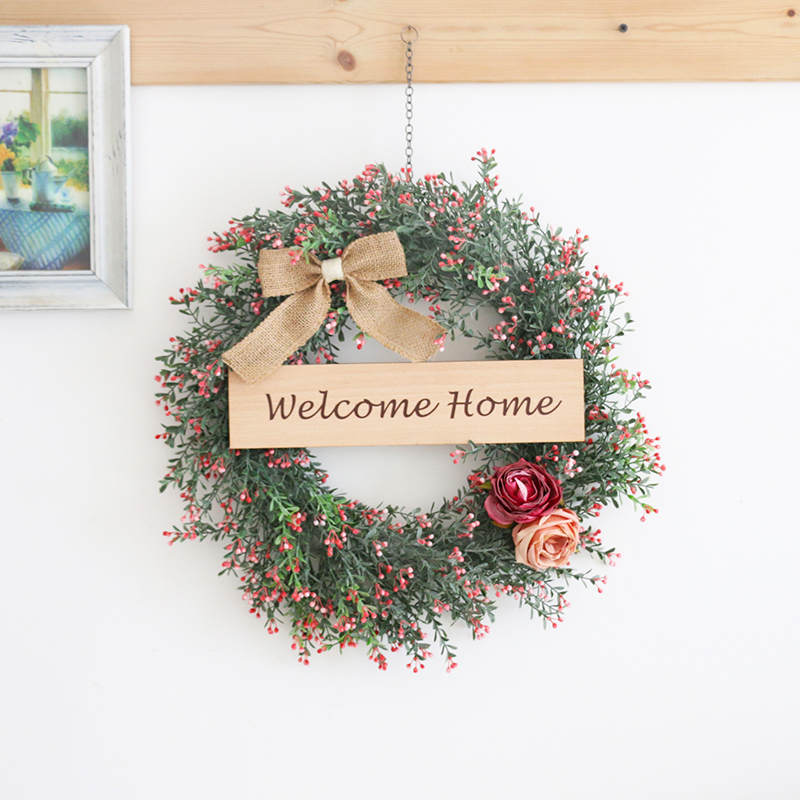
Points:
[[358, 41], [435, 403]]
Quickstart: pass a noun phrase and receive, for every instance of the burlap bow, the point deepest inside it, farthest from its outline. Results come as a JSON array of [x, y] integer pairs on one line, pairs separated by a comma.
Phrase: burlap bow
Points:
[[296, 319]]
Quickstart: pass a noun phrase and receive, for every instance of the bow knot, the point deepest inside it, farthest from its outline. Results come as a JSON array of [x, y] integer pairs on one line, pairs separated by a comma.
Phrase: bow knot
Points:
[[307, 282], [332, 270]]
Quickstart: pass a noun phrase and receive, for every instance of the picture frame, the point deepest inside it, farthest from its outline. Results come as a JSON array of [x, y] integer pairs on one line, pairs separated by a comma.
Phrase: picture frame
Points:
[[100, 277]]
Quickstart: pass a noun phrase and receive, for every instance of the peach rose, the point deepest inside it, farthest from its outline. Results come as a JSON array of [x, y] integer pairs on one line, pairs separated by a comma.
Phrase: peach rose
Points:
[[548, 541]]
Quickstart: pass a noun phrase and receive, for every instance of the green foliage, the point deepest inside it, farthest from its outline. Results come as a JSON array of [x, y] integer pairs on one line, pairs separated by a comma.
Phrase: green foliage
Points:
[[22, 166], [28, 132], [69, 131], [338, 571], [78, 171]]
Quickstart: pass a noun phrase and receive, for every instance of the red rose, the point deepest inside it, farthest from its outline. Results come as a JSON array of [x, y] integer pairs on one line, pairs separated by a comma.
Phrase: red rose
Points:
[[522, 492]]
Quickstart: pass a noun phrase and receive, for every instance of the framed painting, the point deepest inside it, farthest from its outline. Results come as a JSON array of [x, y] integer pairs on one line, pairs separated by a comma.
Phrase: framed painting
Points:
[[64, 161]]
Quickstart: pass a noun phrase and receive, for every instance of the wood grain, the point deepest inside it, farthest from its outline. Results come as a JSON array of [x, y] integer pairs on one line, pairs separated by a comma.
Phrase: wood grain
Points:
[[357, 41], [433, 403]]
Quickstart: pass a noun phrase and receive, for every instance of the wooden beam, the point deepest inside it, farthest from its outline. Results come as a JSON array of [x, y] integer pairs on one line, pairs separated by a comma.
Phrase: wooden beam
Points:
[[357, 41]]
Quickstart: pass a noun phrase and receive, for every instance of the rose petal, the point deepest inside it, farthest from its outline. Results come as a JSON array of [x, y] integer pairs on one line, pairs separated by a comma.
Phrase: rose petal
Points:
[[497, 512], [522, 550], [524, 491]]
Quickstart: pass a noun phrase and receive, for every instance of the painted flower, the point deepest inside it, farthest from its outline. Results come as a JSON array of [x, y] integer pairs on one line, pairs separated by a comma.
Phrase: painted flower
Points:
[[9, 134], [7, 157], [549, 541], [521, 492]]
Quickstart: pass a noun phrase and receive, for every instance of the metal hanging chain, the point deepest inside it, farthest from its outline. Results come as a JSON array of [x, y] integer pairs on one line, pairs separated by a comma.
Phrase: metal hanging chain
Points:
[[409, 35]]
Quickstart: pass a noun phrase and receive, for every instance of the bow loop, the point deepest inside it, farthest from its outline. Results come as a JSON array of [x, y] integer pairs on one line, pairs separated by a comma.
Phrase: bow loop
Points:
[[375, 258], [306, 280], [283, 272]]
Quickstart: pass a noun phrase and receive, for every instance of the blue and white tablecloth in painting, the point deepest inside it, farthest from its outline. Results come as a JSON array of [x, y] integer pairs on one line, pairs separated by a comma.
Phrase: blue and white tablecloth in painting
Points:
[[47, 239]]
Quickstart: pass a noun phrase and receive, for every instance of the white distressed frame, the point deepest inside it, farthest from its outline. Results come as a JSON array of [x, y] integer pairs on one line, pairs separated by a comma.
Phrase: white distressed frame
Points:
[[104, 50]]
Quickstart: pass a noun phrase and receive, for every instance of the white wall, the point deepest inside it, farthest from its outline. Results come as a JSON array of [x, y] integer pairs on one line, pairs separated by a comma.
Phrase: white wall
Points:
[[130, 671]]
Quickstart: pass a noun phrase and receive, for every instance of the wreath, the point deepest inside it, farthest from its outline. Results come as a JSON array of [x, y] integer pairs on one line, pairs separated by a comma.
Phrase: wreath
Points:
[[336, 570]]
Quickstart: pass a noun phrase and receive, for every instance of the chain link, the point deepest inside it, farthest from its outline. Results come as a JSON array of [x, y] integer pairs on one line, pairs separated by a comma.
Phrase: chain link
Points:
[[405, 36]]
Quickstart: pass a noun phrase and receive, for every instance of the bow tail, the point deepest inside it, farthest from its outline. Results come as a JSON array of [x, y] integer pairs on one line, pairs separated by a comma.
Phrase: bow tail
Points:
[[400, 329], [282, 333]]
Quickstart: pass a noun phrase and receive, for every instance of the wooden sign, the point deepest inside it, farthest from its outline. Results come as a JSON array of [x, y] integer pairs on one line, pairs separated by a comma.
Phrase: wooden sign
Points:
[[321, 41], [432, 403]]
